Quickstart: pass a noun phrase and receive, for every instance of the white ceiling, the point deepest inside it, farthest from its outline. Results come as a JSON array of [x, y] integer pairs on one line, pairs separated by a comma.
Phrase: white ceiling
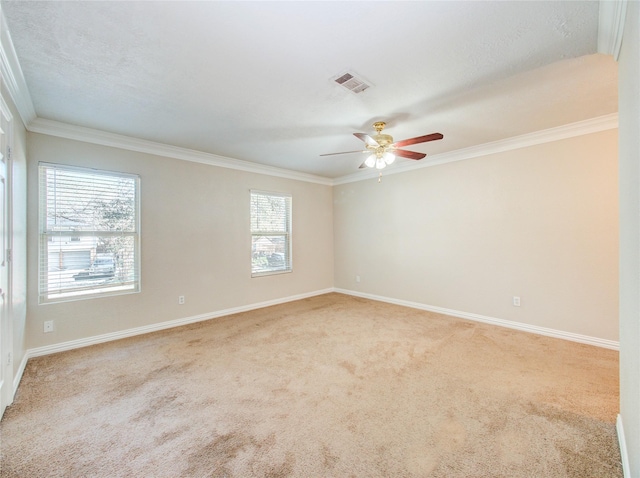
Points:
[[253, 80]]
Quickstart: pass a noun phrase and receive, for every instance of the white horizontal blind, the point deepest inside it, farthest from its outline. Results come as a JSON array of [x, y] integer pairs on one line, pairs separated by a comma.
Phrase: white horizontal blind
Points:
[[270, 233], [89, 233]]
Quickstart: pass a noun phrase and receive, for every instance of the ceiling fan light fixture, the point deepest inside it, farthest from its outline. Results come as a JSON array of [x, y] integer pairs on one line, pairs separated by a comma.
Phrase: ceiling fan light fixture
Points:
[[370, 162], [382, 149], [388, 157]]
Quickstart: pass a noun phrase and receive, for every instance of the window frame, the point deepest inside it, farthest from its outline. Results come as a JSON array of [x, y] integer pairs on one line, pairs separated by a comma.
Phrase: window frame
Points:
[[46, 237], [288, 233]]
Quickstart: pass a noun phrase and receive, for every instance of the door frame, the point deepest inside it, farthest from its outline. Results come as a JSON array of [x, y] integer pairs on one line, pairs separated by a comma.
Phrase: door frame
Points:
[[6, 317]]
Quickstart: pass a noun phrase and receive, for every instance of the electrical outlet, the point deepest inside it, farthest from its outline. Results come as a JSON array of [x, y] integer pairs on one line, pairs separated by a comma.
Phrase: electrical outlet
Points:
[[516, 301], [357, 278], [48, 326], [180, 299]]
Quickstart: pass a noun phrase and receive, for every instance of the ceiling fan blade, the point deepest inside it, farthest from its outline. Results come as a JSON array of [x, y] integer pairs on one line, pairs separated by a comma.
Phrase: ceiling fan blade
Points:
[[344, 152], [419, 139], [367, 139], [362, 166], [403, 153]]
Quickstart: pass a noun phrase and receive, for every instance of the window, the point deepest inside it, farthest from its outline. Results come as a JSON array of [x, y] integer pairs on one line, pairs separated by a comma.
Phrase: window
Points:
[[270, 233], [89, 233]]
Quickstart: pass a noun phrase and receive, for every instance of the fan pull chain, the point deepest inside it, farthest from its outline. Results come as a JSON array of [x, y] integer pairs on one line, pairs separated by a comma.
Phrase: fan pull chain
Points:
[[380, 177]]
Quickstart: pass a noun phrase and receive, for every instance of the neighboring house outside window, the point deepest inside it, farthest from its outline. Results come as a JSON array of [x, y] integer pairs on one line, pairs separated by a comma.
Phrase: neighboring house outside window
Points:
[[270, 233], [89, 233]]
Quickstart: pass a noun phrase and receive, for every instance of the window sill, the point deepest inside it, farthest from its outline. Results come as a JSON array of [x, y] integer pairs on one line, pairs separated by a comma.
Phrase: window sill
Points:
[[269, 273]]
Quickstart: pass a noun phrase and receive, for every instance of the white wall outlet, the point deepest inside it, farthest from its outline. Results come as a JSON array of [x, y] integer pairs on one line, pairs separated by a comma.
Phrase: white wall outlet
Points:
[[357, 278], [180, 299], [516, 301], [48, 326]]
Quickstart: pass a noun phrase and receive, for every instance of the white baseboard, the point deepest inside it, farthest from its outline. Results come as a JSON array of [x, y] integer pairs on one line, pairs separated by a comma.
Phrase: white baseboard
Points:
[[98, 339], [18, 376], [623, 448], [560, 334]]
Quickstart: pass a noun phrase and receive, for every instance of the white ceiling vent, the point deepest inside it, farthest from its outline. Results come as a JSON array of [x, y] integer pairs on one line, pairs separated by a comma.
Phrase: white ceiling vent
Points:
[[352, 83]]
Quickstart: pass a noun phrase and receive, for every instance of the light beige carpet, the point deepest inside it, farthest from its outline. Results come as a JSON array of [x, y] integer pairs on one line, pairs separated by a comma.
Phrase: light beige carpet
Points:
[[332, 386]]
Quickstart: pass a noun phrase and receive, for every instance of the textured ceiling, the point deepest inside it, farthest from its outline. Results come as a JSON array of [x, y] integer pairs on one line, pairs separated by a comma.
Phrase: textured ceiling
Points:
[[253, 80]]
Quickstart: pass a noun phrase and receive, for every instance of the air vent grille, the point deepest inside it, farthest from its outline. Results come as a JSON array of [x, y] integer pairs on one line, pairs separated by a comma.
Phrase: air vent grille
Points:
[[352, 83]]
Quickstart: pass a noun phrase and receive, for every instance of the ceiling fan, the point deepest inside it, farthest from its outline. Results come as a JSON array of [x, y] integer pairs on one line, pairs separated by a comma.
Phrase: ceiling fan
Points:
[[383, 151]]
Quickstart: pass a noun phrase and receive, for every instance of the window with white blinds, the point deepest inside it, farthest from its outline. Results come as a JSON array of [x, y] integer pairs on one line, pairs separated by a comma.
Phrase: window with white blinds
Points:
[[89, 233], [270, 233]]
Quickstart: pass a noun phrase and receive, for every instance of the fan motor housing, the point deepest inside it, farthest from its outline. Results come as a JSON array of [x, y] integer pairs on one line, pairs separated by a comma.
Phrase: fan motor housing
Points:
[[383, 140]]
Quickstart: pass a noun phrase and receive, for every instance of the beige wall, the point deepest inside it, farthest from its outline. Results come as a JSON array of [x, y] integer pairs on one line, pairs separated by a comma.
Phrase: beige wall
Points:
[[538, 222], [629, 99], [195, 242]]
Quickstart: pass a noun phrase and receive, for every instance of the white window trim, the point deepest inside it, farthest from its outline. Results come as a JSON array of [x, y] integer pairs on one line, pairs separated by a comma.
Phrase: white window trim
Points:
[[289, 233], [134, 288]]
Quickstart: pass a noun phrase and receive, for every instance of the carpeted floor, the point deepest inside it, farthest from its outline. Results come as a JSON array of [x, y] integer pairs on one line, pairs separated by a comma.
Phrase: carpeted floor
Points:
[[331, 386]]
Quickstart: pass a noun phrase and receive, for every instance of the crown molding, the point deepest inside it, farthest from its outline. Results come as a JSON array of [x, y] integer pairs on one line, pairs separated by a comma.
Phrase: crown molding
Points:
[[611, 19], [594, 125], [12, 76], [89, 135]]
